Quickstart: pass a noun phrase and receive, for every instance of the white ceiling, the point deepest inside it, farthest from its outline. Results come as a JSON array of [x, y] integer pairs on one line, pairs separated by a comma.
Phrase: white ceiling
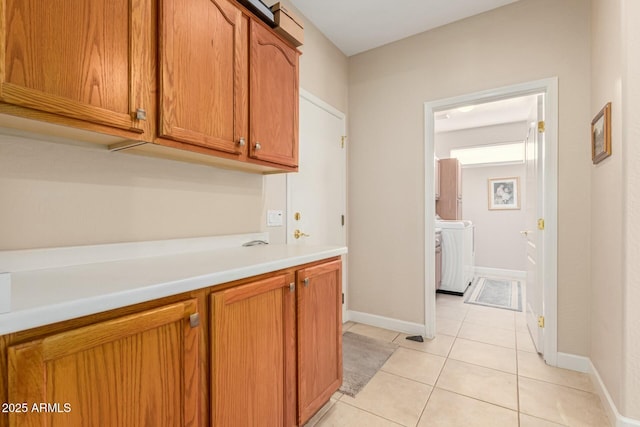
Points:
[[359, 25], [487, 114], [355, 26]]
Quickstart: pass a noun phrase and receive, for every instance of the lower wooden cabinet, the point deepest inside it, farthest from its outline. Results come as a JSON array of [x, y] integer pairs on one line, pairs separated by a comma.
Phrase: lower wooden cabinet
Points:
[[270, 355], [276, 347], [253, 367], [319, 336], [137, 370]]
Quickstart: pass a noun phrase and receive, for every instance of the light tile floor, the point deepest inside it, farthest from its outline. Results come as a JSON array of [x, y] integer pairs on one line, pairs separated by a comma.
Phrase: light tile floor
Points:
[[480, 370]]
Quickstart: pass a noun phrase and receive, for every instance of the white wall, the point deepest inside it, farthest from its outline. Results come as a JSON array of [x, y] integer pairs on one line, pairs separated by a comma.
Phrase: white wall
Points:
[[606, 322], [508, 132], [630, 13], [524, 41], [498, 241], [615, 233]]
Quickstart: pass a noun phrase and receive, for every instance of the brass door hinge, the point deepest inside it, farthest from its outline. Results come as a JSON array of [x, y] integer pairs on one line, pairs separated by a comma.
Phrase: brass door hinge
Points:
[[343, 139], [541, 224], [541, 126], [541, 321]]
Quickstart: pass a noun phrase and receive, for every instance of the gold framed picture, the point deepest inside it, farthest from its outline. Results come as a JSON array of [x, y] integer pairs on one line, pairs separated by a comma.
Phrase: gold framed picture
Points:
[[601, 135], [504, 193]]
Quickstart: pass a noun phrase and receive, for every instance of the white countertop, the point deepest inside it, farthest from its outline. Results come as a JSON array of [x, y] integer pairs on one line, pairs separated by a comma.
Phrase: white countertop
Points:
[[44, 296]]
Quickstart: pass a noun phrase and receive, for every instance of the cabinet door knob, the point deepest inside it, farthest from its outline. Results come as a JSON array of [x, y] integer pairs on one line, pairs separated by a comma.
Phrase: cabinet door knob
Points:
[[257, 146], [241, 141], [141, 114], [306, 281], [194, 320]]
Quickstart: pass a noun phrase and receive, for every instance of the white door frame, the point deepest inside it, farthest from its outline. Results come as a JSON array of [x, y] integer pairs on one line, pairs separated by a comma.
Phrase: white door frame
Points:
[[550, 188], [289, 239]]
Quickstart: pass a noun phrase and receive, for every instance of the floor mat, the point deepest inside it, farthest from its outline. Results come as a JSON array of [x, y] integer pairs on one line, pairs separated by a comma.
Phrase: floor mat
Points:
[[498, 293], [362, 358]]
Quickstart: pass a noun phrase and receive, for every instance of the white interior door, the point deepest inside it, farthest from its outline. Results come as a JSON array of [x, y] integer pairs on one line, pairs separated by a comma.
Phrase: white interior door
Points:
[[534, 210], [317, 192], [316, 196]]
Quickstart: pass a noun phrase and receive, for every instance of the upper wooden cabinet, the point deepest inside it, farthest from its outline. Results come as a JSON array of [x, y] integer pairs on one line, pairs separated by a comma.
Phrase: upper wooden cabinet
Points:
[[449, 204], [436, 176], [84, 60], [137, 370], [274, 98], [203, 74], [202, 81]]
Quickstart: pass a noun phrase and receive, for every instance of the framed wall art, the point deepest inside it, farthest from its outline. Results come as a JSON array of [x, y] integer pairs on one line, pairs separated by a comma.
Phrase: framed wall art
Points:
[[601, 135], [504, 193]]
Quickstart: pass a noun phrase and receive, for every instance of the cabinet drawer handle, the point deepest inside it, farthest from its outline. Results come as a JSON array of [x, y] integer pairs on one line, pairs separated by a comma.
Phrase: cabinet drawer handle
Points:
[[258, 146], [194, 320]]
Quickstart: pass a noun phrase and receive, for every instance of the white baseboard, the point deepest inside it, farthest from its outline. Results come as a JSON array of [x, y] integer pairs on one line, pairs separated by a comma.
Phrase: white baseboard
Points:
[[500, 272], [573, 362], [615, 417], [386, 322]]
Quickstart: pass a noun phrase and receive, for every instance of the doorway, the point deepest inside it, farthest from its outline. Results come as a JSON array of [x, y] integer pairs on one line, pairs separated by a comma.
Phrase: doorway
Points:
[[547, 266]]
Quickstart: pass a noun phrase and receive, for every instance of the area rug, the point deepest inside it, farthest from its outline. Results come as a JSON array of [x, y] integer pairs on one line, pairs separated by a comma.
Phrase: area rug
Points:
[[362, 357], [498, 293]]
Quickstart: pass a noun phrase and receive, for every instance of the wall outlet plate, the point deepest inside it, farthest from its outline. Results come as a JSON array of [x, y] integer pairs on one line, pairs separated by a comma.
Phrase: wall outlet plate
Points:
[[5, 292], [275, 218]]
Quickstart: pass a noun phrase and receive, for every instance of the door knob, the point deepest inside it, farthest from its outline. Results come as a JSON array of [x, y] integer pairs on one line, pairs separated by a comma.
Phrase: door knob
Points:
[[257, 146], [241, 141], [298, 234]]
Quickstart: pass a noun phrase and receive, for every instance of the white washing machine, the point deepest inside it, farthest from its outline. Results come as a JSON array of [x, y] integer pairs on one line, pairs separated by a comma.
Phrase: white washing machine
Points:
[[458, 255]]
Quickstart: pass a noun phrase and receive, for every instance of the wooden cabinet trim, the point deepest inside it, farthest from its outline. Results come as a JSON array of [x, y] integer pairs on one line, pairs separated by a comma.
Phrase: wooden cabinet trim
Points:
[[30, 98], [54, 347], [242, 292]]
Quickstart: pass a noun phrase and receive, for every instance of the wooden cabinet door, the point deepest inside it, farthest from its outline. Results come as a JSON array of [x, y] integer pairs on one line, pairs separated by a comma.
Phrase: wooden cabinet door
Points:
[[436, 174], [273, 89], [448, 205], [253, 354], [138, 370], [203, 74], [319, 336], [82, 59]]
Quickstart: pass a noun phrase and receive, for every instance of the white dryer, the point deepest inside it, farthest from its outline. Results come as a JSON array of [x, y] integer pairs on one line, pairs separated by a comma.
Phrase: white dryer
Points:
[[458, 255]]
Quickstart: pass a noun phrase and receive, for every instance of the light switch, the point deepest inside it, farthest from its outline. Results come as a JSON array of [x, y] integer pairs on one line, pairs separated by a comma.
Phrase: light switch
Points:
[[274, 218]]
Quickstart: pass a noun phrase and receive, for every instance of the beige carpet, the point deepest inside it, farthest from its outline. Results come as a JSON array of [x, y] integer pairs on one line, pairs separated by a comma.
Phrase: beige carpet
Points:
[[362, 358]]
